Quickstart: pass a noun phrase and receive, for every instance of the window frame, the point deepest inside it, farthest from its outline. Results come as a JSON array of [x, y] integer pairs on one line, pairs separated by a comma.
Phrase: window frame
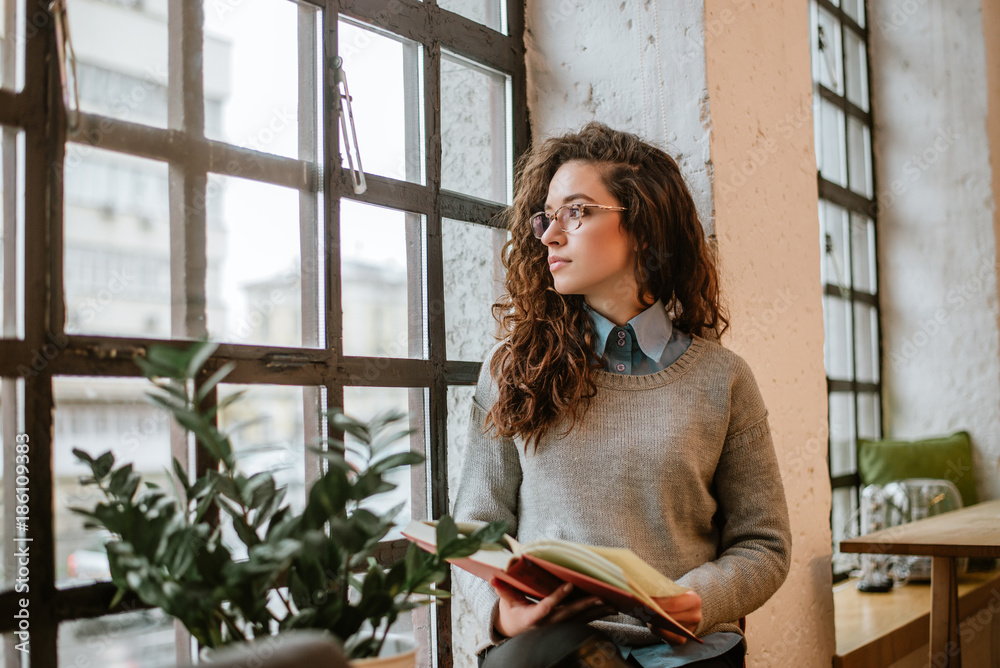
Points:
[[37, 110], [852, 203]]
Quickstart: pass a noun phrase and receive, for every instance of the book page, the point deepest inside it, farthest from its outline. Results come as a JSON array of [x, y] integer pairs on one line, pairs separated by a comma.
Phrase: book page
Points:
[[580, 558], [640, 574]]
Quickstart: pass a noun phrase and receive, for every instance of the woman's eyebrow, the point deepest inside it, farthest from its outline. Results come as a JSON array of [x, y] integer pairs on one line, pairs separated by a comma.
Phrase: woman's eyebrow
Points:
[[571, 198]]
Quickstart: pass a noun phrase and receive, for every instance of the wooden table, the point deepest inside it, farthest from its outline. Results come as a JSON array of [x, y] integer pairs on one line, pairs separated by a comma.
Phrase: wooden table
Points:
[[969, 532], [881, 629]]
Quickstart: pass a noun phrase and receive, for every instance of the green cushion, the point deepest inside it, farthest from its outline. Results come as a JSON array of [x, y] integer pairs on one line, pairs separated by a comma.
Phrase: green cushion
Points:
[[947, 457]]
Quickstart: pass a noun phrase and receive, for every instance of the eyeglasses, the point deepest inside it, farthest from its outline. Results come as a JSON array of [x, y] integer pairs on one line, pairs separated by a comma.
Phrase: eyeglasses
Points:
[[569, 217]]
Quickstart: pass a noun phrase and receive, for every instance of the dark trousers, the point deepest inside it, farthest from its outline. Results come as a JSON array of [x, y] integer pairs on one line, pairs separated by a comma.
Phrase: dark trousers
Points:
[[576, 645]]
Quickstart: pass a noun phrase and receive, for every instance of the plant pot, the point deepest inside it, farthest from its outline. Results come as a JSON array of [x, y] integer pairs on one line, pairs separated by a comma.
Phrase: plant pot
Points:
[[398, 651], [404, 660], [295, 648]]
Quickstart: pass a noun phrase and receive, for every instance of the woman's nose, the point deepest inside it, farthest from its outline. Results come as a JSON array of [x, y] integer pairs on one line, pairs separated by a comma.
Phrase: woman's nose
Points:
[[553, 234]]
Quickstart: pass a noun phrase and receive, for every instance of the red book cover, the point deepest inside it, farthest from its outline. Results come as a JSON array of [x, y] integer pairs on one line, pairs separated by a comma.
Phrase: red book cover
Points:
[[537, 578]]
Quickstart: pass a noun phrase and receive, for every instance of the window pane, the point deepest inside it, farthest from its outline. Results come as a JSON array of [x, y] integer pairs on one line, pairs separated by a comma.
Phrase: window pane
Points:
[[863, 253], [11, 428], [474, 130], [11, 233], [827, 68], [830, 144], [488, 12], [138, 638], [856, 10], [364, 403], [844, 524], [117, 244], [842, 456], [268, 433], [472, 282], [267, 427], [382, 273], [97, 415], [869, 415], [837, 343], [10, 642], [121, 52], [866, 342], [11, 45], [252, 73], [253, 286], [856, 63], [836, 258], [385, 76], [860, 152]]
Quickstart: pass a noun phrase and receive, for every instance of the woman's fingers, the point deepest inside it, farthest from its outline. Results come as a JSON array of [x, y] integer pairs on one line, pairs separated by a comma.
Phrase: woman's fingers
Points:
[[685, 608], [686, 611], [508, 593], [550, 602], [518, 614]]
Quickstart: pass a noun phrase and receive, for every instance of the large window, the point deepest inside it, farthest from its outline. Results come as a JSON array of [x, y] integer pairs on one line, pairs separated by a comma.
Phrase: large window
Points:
[[848, 234], [204, 187]]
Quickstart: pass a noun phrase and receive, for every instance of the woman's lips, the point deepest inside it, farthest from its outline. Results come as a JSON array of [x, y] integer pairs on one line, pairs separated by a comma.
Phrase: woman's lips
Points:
[[555, 262]]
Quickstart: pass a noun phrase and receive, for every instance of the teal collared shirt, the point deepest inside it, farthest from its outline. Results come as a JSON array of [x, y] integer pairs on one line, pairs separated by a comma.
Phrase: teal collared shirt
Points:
[[645, 344]]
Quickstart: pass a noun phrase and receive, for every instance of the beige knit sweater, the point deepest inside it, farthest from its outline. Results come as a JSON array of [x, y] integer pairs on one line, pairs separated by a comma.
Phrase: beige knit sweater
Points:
[[677, 465]]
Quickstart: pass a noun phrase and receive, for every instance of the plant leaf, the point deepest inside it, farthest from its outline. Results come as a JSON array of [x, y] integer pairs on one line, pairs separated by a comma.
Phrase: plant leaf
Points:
[[213, 380], [199, 354], [397, 460]]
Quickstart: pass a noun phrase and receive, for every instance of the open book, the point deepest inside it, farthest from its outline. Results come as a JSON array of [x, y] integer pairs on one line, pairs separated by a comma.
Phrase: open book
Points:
[[617, 575]]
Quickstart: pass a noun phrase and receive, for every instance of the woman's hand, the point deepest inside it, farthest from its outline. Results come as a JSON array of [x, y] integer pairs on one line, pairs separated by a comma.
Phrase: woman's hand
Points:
[[686, 609], [518, 614]]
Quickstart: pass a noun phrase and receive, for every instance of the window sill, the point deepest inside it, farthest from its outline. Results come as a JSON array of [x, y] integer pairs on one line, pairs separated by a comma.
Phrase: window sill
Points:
[[878, 629]]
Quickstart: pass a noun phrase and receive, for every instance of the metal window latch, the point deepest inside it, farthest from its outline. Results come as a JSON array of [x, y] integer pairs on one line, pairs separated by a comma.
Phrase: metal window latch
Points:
[[838, 265], [287, 360], [346, 114], [67, 63]]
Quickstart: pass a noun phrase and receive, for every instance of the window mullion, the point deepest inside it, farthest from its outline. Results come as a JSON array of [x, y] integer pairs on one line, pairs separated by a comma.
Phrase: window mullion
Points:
[[188, 185], [188, 178], [44, 145], [437, 460], [310, 246], [332, 184]]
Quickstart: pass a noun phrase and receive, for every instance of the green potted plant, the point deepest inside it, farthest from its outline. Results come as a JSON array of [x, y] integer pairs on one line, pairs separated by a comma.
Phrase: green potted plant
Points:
[[312, 569]]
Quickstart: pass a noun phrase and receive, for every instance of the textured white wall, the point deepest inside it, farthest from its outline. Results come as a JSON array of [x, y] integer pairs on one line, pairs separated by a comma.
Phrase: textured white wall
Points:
[[937, 244], [635, 65]]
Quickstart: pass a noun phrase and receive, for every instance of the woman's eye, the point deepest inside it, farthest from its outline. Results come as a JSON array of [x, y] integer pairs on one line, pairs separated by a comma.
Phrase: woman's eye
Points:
[[576, 212]]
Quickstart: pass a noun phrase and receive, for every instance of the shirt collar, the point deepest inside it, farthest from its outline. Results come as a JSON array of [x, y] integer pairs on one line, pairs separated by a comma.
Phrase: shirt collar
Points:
[[652, 328]]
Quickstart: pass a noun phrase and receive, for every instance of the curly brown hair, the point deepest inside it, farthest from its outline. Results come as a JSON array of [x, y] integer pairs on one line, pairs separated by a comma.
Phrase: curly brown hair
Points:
[[545, 365]]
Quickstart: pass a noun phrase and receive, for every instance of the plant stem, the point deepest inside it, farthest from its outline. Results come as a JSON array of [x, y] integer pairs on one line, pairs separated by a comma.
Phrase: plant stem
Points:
[[389, 620], [284, 600], [234, 631]]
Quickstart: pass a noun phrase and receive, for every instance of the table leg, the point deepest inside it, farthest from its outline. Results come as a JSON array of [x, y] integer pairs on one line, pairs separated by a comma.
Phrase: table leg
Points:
[[945, 646]]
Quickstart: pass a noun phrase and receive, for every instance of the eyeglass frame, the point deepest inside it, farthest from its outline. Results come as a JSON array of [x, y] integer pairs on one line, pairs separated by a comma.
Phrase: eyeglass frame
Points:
[[555, 216]]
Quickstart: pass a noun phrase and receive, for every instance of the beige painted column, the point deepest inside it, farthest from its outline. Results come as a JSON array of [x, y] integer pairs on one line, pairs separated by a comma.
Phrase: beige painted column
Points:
[[991, 28], [765, 195]]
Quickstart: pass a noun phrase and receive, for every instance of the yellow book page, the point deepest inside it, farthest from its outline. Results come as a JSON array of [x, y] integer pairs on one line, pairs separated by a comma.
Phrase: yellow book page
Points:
[[580, 558], [641, 576]]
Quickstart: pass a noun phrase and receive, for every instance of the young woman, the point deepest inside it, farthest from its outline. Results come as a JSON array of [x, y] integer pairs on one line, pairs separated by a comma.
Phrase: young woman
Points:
[[610, 415]]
